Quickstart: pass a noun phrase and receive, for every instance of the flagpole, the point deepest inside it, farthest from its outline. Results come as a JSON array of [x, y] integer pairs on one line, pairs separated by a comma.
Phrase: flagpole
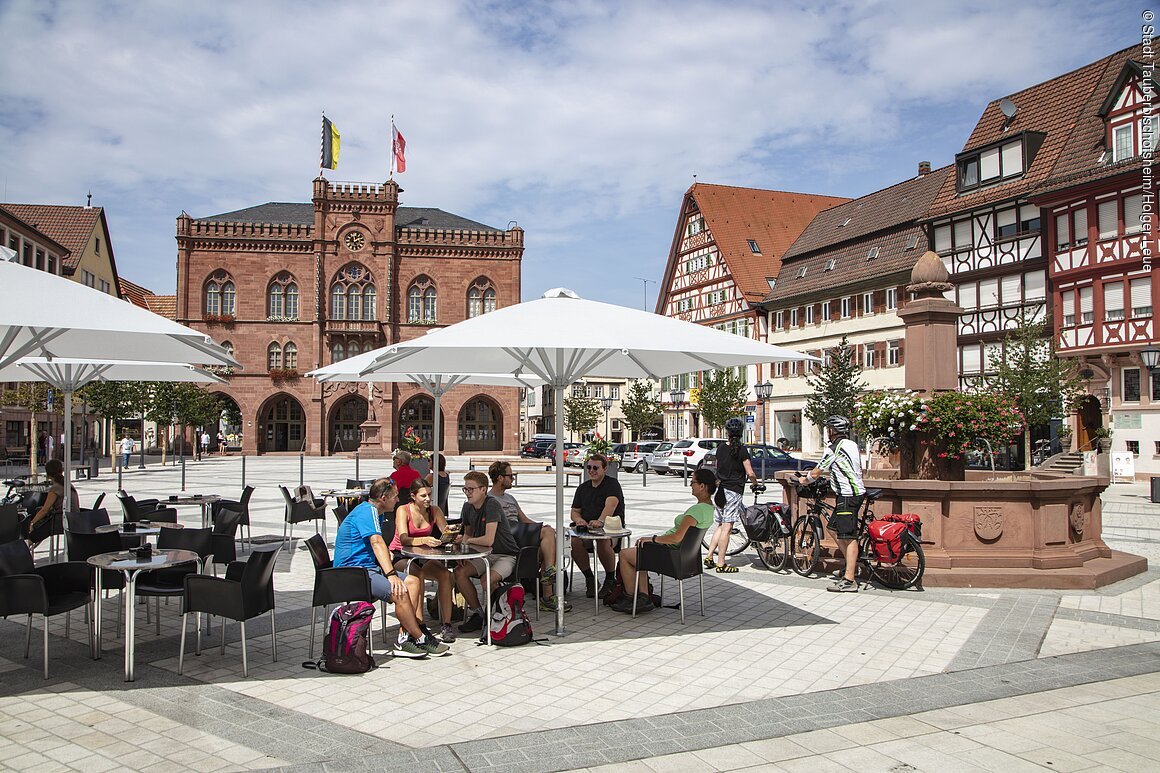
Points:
[[393, 141], [322, 144]]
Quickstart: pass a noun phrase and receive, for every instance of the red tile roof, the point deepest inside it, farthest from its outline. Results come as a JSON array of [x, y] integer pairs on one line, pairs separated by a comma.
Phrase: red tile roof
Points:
[[72, 227], [133, 292], [773, 219], [163, 305], [1053, 108]]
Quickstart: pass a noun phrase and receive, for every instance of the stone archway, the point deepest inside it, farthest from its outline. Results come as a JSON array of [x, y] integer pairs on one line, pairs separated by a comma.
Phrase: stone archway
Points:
[[281, 425], [229, 424], [480, 425], [419, 413], [346, 420]]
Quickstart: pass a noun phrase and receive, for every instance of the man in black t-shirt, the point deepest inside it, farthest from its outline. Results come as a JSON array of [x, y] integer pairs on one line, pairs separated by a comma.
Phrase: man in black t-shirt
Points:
[[597, 499], [484, 526]]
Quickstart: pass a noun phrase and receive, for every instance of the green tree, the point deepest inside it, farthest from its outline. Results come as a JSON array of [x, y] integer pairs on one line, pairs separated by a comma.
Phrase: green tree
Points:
[[581, 413], [722, 396], [641, 408], [836, 385], [113, 400], [1028, 369]]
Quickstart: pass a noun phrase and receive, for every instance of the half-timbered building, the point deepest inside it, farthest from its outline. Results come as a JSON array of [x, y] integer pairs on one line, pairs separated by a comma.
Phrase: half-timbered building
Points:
[[1099, 210], [723, 260], [845, 276]]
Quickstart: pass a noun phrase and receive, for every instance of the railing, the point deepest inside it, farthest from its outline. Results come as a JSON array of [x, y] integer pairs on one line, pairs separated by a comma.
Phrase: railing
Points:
[[352, 326]]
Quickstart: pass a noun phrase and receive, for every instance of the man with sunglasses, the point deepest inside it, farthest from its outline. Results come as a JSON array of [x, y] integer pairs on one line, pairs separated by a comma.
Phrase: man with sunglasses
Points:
[[502, 479], [597, 499], [484, 526]]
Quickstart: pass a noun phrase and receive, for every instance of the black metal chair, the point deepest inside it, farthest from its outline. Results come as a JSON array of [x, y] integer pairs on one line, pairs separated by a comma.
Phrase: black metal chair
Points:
[[225, 530], [245, 592], [681, 564], [9, 523], [82, 546], [99, 500], [336, 585], [26, 589], [171, 582], [87, 521], [145, 509], [297, 512], [527, 571], [242, 506]]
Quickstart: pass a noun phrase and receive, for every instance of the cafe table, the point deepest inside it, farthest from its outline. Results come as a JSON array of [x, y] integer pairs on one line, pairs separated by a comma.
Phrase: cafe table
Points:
[[204, 501], [595, 536], [126, 562], [449, 554]]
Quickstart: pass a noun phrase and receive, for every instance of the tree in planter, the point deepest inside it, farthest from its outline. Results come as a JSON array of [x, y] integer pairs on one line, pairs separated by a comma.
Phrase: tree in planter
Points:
[[1043, 385], [722, 396], [836, 386], [581, 413], [641, 408]]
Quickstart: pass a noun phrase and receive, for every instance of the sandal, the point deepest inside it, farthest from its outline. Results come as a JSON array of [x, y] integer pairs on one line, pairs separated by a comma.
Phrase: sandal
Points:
[[709, 562], [726, 569]]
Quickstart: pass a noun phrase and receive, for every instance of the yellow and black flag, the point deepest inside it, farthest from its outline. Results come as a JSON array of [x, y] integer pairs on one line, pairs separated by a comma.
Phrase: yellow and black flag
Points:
[[331, 141]]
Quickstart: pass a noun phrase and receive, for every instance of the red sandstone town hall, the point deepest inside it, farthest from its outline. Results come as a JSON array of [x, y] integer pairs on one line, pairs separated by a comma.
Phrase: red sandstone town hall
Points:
[[290, 287]]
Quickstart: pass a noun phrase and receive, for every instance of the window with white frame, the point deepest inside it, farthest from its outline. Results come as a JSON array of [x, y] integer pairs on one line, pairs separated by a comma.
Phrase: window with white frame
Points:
[[1086, 306], [598, 391], [826, 311], [868, 356], [810, 314], [891, 298], [1131, 384], [1122, 145], [779, 368], [614, 392], [1133, 213], [779, 320], [793, 317], [942, 238], [1067, 299], [867, 304], [1113, 300], [972, 361], [793, 367], [968, 293], [1141, 296], [893, 353], [1107, 212], [847, 305], [1035, 285]]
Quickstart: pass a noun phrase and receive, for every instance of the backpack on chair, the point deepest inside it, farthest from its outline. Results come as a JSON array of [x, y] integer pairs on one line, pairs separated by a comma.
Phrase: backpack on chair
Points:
[[346, 648], [509, 623]]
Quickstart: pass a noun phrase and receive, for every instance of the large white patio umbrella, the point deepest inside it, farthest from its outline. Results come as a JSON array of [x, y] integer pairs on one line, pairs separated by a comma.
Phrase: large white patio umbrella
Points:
[[69, 375], [561, 337], [44, 315], [437, 384]]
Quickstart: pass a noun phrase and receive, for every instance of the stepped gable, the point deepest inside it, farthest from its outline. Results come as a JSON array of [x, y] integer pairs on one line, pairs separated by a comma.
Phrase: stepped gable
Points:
[[1052, 108], [1080, 160], [886, 219], [773, 219], [69, 226], [291, 213]]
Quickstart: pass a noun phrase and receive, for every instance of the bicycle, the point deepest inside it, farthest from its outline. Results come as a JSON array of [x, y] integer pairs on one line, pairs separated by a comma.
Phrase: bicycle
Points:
[[771, 552], [804, 551], [899, 574]]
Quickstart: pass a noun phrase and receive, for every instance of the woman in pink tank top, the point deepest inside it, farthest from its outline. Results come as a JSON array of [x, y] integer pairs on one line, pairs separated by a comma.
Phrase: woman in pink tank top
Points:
[[415, 525]]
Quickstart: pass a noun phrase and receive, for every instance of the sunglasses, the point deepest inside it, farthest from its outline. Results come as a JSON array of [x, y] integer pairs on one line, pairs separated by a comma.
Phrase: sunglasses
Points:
[[593, 467]]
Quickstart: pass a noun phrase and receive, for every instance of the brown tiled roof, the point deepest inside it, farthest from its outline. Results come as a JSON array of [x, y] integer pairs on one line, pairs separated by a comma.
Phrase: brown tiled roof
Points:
[[164, 305], [72, 227], [773, 219], [1053, 108], [49, 241], [905, 202], [1080, 160], [133, 292]]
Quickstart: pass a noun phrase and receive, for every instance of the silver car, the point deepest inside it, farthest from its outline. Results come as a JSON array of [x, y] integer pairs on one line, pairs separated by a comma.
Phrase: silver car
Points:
[[658, 460], [635, 456]]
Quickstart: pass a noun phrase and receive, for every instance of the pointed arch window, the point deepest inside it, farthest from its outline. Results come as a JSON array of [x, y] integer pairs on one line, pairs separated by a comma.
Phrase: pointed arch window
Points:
[[337, 352], [352, 294], [290, 356], [220, 296], [282, 297], [480, 297], [421, 301], [273, 356]]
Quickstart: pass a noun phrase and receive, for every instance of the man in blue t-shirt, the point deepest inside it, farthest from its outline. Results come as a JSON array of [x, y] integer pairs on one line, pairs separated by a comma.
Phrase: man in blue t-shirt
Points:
[[360, 543]]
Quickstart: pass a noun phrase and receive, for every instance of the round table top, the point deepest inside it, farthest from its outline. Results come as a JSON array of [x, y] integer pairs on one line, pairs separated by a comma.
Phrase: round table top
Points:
[[143, 527], [190, 499], [602, 534], [446, 552], [126, 560], [347, 492]]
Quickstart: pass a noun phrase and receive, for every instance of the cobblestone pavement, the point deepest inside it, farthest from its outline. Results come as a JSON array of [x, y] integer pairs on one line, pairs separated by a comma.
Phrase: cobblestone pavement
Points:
[[778, 673]]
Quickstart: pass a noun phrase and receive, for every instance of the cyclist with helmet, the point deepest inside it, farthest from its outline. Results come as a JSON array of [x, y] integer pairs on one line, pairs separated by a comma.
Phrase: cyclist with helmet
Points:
[[733, 467], [843, 463]]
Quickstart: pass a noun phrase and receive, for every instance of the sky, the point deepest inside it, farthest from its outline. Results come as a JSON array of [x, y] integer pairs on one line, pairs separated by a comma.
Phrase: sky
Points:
[[584, 121]]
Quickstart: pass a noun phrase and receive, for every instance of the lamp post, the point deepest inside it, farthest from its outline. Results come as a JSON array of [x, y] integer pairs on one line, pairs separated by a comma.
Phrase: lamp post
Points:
[[606, 404], [764, 391], [1150, 356], [677, 396]]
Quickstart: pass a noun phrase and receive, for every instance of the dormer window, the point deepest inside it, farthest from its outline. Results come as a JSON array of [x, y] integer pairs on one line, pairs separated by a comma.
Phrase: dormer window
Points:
[[997, 162], [845, 222], [1123, 145], [872, 253], [753, 247], [801, 272], [1123, 111], [830, 264], [912, 242]]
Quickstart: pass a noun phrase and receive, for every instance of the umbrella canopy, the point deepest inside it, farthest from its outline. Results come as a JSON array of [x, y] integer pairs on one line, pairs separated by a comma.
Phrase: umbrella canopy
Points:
[[599, 339], [352, 369], [69, 375], [44, 315]]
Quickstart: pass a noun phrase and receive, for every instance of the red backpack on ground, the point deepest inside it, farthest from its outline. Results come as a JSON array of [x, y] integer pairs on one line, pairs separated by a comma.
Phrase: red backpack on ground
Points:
[[886, 537], [509, 623], [346, 649]]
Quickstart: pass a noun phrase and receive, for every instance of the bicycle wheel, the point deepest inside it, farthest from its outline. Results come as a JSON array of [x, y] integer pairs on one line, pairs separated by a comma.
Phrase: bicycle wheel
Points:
[[773, 553], [805, 548], [737, 540], [908, 571]]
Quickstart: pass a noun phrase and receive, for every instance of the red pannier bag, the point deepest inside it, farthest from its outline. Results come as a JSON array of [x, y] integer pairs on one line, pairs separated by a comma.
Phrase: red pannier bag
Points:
[[886, 537], [912, 521]]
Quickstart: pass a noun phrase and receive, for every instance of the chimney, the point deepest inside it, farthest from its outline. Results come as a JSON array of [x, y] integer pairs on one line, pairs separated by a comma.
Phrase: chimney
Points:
[[923, 168]]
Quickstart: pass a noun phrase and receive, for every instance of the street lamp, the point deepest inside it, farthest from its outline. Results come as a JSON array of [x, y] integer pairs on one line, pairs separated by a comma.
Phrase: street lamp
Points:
[[677, 396], [606, 403], [764, 391], [1150, 356]]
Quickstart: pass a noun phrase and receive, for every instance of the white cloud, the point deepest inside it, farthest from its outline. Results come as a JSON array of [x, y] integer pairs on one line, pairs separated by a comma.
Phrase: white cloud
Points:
[[583, 121]]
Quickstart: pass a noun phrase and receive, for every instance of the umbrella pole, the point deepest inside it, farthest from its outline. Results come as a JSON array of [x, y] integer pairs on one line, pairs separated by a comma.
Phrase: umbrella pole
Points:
[[559, 510], [68, 402], [437, 393]]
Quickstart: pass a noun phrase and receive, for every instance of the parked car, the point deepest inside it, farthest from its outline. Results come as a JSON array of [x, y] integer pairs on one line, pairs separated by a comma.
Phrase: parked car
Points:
[[658, 459], [767, 461], [690, 452], [635, 455], [550, 453], [536, 449], [575, 455]]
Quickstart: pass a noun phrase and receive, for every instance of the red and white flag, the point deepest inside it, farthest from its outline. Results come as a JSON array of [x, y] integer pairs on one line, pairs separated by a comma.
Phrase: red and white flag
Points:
[[399, 148]]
